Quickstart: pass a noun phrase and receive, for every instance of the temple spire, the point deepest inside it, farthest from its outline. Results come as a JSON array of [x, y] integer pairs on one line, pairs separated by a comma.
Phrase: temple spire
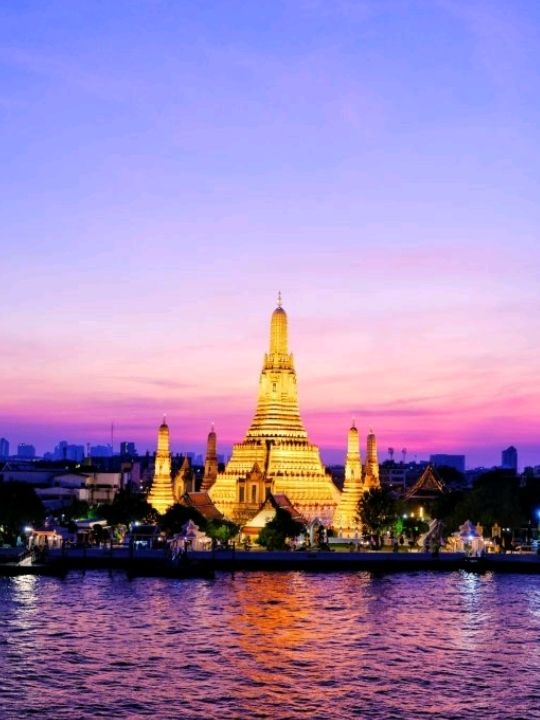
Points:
[[161, 494], [346, 515], [279, 331], [211, 461], [371, 479]]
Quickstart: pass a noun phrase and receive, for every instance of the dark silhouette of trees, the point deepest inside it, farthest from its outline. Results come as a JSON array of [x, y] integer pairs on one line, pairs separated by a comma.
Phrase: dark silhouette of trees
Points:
[[377, 510], [19, 506], [128, 507], [177, 516], [275, 534]]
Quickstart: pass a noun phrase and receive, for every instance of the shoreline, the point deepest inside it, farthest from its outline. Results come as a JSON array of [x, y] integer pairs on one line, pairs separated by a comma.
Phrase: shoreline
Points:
[[204, 563]]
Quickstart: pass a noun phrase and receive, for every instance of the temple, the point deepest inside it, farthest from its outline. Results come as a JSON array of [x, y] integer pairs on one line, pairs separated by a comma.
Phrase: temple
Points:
[[346, 521], [276, 455], [211, 462], [161, 493], [371, 471]]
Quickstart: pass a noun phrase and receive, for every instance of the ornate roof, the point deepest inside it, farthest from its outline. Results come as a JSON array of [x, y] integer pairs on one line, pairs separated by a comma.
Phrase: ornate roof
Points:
[[428, 486]]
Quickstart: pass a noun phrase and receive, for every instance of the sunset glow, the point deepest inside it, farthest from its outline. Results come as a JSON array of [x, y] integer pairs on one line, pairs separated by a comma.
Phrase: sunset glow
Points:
[[167, 168]]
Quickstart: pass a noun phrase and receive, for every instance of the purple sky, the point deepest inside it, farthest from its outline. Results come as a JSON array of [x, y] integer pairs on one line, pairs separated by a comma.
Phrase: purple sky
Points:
[[167, 167]]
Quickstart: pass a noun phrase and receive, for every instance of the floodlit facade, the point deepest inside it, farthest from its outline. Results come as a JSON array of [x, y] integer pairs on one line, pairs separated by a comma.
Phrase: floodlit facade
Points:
[[161, 493], [276, 455]]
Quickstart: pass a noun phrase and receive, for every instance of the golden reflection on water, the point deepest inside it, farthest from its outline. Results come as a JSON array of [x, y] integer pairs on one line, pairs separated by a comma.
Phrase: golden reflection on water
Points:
[[271, 645]]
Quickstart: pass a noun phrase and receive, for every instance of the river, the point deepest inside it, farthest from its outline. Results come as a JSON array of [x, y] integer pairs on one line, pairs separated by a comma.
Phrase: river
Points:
[[270, 645]]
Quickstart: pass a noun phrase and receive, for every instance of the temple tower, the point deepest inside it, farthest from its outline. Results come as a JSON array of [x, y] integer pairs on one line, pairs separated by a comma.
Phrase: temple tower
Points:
[[161, 493], [184, 481], [211, 462], [371, 476], [276, 455], [346, 515]]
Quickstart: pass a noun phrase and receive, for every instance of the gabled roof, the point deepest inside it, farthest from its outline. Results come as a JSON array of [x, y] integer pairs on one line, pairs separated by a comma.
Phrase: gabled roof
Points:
[[428, 486], [203, 504], [281, 501]]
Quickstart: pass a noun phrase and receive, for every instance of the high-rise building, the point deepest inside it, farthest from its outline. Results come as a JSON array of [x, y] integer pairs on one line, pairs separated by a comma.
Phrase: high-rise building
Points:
[[509, 458], [454, 461], [276, 455], [4, 448], [65, 451], [101, 451], [128, 448], [26, 451], [161, 493]]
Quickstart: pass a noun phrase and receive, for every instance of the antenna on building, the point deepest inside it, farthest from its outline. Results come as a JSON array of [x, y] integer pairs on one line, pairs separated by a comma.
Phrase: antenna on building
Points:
[[391, 454], [112, 437], [403, 455]]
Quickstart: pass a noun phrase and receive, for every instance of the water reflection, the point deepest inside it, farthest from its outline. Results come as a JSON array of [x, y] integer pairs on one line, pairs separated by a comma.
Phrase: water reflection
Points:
[[290, 645]]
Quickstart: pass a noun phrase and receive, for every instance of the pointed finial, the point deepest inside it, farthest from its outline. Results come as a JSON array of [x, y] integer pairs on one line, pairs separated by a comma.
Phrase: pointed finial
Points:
[[212, 428], [164, 419], [353, 423], [279, 299]]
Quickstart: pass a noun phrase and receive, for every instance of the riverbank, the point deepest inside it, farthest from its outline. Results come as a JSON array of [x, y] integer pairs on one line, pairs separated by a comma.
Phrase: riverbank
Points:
[[158, 562]]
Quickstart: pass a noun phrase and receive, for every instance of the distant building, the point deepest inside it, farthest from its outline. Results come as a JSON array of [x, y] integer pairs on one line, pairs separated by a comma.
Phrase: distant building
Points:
[[65, 451], [25, 451], [4, 448], [454, 461], [128, 448], [101, 451], [509, 458]]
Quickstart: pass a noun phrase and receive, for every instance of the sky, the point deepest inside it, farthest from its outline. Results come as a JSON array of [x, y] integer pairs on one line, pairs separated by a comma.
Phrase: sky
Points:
[[167, 167]]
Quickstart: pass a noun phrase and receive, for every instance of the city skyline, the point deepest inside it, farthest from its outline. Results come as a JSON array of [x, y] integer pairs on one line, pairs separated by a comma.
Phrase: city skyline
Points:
[[168, 169]]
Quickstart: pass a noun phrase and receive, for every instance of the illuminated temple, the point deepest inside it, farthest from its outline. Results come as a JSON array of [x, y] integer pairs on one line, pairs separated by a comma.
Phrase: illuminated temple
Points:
[[161, 493], [276, 455], [346, 515]]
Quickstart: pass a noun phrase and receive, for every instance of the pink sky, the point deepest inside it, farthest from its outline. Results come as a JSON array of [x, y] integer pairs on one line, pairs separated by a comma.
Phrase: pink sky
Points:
[[167, 169]]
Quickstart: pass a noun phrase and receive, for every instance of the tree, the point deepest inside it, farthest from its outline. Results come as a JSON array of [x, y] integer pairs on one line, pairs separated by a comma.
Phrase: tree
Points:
[[173, 519], [78, 510], [275, 534], [377, 510], [222, 530], [496, 497], [19, 506], [128, 507]]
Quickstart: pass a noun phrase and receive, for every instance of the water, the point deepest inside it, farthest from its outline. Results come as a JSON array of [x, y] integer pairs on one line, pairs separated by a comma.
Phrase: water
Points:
[[270, 645]]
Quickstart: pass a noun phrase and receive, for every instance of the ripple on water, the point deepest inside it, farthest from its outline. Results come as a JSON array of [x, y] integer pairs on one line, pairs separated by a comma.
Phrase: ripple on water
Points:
[[284, 645]]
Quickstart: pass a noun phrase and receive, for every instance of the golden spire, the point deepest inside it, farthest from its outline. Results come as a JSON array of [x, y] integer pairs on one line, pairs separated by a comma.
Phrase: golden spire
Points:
[[345, 518], [211, 461], [161, 494], [276, 455], [371, 479], [278, 331]]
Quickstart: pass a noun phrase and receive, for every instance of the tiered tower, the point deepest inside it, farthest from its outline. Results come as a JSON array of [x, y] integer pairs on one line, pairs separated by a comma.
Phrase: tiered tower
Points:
[[276, 455], [211, 462], [161, 493], [346, 516], [184, 480], [371, 476]]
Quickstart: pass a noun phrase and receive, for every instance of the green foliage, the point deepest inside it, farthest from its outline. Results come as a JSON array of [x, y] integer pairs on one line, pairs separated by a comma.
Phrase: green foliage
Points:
[[78, 510], [495, 497], [19, 506], [275, 534], [377, 510], [222, 530], [127, 507], [177, 516], [414, 527]]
